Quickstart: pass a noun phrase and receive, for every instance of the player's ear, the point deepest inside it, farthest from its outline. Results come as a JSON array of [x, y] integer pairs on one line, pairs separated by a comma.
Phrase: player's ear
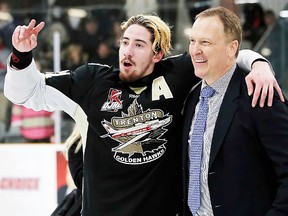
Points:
[[158, 56]]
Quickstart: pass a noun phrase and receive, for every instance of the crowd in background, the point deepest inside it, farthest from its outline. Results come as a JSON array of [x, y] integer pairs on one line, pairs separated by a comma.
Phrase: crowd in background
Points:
[[91, 39]]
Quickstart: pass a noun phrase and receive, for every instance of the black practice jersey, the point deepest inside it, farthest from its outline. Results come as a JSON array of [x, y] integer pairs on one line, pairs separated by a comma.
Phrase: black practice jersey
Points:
[[132, 155]]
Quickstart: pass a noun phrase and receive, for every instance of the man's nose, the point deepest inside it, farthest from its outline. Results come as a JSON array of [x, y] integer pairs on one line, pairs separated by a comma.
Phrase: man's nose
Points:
[[128, 51], [195, 48]]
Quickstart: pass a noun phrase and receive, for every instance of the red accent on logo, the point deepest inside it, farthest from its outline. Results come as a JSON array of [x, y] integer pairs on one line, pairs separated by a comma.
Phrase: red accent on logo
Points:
[[15, 58], [115, 94]]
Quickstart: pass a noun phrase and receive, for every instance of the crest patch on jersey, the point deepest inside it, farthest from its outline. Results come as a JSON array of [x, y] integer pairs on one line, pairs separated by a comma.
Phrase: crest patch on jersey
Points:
[[114, 102], [138, 133]]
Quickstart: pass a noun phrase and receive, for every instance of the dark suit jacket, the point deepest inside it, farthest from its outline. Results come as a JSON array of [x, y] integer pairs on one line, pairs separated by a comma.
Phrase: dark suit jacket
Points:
[[248, 167]]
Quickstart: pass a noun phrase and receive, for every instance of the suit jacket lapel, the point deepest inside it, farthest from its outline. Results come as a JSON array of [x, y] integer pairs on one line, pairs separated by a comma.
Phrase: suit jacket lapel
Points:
[[226, 114], [189, 111]]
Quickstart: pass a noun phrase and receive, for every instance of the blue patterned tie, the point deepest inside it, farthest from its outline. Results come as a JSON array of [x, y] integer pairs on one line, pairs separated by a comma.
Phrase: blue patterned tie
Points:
[[196, 147]]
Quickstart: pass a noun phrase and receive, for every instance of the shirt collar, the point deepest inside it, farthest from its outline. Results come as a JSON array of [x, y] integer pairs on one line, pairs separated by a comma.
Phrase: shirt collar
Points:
[[222, 83]]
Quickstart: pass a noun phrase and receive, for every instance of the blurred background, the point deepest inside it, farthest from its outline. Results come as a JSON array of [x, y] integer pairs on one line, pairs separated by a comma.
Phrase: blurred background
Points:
[[88, 31]]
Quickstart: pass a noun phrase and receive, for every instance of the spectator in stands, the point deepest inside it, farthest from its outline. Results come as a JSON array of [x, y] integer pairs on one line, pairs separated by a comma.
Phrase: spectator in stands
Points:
[[34, 126], [116, 34], [90, 36], [269, 18], [104, 54], [254, 25], [7, 24], [73, 56], [4, 102], [57, 24]]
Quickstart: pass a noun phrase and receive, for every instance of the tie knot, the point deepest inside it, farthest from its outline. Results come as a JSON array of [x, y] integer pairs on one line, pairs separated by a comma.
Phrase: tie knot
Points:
[[207, 92]]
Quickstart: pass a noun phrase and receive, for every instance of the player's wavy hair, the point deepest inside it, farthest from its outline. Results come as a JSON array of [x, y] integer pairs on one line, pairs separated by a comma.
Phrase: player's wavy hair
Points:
[[231, 23], [160, 31]]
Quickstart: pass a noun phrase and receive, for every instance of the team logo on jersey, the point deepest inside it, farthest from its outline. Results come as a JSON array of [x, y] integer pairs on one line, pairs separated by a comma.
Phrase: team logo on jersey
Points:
[[138, 134], [114, 102]]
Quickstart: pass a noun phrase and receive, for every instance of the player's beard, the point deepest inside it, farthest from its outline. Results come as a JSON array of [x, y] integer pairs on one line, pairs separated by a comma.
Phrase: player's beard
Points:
[[134, 75]]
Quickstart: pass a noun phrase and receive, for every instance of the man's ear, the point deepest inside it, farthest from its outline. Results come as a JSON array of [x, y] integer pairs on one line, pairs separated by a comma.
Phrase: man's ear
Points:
[[233, 47], [158, 56]]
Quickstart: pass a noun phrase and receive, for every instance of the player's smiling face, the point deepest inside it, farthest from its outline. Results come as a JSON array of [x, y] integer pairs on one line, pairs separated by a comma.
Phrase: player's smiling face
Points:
[[136, 56]]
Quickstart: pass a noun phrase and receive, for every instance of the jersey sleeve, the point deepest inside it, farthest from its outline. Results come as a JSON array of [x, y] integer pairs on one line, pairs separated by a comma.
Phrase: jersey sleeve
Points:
[[28, 87], [247, 57]]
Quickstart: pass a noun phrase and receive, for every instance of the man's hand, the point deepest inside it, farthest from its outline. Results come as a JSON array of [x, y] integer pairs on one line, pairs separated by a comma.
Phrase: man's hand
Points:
[[24, 38], [265, 82]]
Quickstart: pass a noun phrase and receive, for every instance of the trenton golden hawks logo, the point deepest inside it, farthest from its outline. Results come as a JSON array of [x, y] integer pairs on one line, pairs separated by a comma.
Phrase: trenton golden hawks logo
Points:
[[138, 134], [114, 102]]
